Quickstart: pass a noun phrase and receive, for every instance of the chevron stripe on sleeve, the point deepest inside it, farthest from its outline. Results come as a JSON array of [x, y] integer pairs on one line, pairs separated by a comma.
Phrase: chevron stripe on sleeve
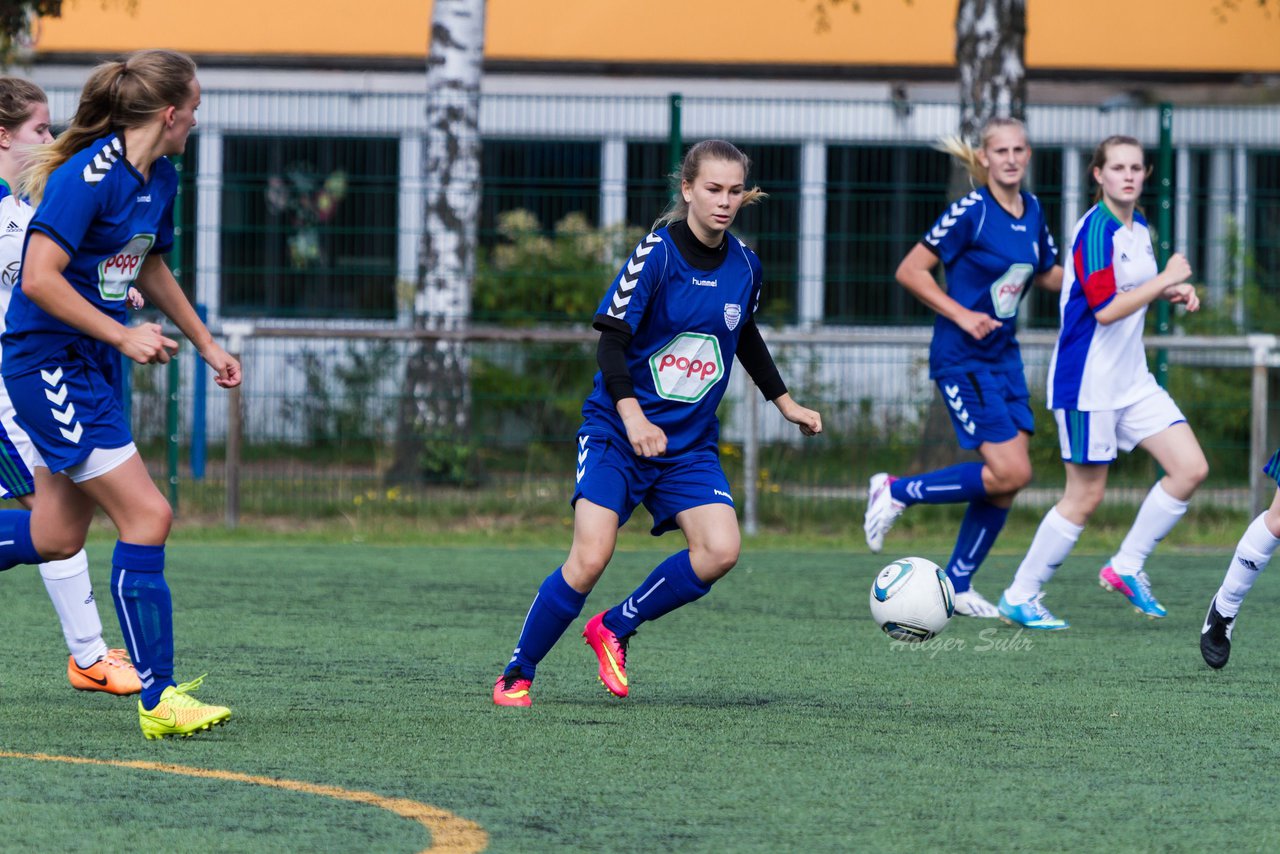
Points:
[[97, 168], [950, 217], [630, 276]]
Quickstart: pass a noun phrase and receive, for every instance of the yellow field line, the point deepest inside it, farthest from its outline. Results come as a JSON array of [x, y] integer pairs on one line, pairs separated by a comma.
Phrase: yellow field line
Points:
[[449, 833]]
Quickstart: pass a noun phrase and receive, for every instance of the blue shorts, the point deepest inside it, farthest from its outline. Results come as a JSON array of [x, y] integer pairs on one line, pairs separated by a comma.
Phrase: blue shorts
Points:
[[611, 475], [1272, 468], [69, 409], [987, 406]]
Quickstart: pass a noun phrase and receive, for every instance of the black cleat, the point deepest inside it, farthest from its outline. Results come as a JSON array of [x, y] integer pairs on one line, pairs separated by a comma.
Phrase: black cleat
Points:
[[1215, 637]]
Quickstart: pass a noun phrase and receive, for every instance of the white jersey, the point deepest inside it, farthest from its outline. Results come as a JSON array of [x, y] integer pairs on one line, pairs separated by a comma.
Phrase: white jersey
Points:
[[1097, 367], [15, 214], [18, 457]]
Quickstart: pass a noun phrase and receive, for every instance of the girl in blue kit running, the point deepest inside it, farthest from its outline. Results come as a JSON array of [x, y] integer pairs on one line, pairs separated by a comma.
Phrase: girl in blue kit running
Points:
[[105, 196], [91, 665], [679, 311], [992, 243]]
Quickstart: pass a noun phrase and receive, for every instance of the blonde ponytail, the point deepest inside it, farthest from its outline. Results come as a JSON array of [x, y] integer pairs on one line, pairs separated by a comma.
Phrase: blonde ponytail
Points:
[[118, 95]]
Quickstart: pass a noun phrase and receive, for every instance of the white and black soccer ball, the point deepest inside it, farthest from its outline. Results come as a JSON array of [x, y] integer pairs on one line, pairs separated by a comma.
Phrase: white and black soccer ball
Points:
[[912, 599]]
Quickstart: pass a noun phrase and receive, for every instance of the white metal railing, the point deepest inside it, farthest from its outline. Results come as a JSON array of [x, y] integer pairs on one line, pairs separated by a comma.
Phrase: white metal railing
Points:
[[750, 423]]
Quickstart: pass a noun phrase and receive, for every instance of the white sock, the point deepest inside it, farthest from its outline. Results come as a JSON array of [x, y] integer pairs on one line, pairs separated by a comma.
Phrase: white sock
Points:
[[1252, 554], [1160, 511], [72, 593], [1053, 541]]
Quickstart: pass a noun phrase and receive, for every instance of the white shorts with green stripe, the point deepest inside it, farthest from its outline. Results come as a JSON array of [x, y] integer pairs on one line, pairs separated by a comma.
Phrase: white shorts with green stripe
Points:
[[1096, 438], [17, 455]]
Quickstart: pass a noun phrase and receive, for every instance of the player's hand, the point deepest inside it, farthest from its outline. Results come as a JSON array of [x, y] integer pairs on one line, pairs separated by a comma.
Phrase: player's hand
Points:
[[226, 366], [978, 325], [1184, 295], [135, 299], [808, 420], [146, 344], [647, 438], [1178, 270]]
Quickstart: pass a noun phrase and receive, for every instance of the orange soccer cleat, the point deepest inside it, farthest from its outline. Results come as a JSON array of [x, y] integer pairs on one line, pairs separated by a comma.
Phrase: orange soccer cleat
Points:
[[512, 689], [111, 674], [611, 652]]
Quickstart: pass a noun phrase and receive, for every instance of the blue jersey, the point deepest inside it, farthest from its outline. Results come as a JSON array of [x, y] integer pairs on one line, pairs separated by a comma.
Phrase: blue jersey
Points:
[[685, 324], [102, 213], [990, 257]]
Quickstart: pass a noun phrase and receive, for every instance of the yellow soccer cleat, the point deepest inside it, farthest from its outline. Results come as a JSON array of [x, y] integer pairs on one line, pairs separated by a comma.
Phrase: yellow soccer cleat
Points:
[[179, 713]]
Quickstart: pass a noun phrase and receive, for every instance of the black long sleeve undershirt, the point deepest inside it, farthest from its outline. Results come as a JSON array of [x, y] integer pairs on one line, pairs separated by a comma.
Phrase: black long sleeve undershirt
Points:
[[753, 353], [615, 334]]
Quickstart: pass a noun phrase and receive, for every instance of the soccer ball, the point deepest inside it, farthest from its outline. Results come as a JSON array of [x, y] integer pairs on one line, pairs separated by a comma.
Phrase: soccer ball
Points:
[[912, 599]]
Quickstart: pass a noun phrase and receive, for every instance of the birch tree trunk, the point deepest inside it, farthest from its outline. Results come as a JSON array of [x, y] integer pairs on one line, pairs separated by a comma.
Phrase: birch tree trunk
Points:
[[432, 436], [990, 50]]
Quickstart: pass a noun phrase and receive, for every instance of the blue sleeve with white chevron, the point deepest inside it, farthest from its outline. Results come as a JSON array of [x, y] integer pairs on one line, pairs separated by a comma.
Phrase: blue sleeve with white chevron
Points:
[[956, 228], [627, 296], [69, 207]]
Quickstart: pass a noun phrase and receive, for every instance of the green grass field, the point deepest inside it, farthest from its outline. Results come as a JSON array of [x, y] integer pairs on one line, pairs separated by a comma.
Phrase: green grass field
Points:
[[770, 716]]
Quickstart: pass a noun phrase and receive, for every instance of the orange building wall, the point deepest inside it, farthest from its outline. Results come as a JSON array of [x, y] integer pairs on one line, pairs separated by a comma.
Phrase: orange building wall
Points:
[[1183, 35]]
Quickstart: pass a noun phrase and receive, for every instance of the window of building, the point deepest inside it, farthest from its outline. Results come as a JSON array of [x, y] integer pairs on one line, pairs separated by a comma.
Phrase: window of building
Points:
[[182, 260], [1265, 271], [309, 227], [880, 200], [549, 178], [1039, 308]]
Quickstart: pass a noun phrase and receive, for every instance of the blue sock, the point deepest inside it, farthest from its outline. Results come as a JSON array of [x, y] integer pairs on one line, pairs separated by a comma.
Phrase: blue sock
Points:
[[15, 539], [981, 525], [672, 584], [145, 610], [553, 609], [952, 485]]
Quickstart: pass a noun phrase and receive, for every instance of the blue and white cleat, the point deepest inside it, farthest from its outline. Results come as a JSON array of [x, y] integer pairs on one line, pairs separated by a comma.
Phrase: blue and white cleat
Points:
[[1136, 588], [1030, 615]]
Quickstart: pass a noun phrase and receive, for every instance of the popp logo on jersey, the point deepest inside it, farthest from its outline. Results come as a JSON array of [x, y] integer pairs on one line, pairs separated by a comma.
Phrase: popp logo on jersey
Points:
[[1006, 291], [117, 272], [688, 367]]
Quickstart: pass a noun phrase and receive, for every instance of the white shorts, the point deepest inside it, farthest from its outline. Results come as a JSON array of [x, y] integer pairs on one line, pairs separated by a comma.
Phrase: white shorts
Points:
[[17, 455], [1098, 437], [99, 462]]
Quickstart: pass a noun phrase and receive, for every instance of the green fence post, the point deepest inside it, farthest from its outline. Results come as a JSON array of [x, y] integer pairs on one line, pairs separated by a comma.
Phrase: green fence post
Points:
[[675, 142], [1164, 229], [174, 375]]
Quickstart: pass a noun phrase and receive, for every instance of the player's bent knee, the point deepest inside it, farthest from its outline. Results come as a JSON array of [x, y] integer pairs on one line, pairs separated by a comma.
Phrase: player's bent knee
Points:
[[1014, 479], [714, 562], [58, 547], [582, 573]]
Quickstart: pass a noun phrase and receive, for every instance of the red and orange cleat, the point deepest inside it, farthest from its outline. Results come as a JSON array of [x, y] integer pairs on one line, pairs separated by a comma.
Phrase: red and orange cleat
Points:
[[611, 652], [112, 674], [512, 689]]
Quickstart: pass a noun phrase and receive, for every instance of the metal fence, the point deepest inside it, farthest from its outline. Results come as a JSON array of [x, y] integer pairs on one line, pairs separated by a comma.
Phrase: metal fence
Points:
[[301, 216], [314, 431], [307, 206]]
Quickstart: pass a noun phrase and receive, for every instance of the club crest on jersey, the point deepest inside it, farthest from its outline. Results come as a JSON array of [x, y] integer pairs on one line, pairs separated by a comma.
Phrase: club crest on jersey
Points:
[[732, 314], [117, 272], [687, 368]]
